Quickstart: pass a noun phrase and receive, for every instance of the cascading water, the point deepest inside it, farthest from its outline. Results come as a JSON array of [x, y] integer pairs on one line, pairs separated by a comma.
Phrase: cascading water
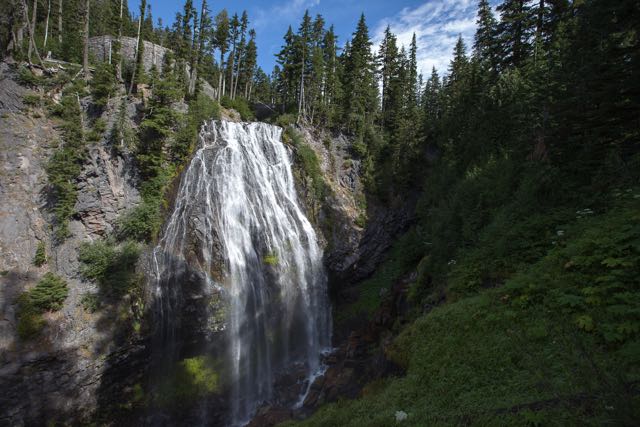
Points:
[[238, 233]]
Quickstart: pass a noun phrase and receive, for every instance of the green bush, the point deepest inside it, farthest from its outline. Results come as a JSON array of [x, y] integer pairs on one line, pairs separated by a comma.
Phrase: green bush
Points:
[[32, 99], [140, 223], [97, 130], [90, 302], [40, 257], [48, 295], [66, 164], [240, 105], [591, 274], [103, 84], [286, 120], [186, 139], [112, 266], [190, 379]]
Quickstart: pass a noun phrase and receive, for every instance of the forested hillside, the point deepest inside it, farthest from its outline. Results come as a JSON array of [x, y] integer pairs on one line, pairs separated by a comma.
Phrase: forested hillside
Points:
[[514, 285]]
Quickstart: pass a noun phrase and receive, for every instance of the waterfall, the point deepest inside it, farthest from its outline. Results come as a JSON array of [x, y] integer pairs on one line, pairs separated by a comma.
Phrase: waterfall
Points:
[[238, 239]]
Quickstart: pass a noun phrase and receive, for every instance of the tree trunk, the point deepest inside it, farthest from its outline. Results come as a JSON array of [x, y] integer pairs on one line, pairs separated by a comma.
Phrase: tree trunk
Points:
[[32, 28], [301, 99], [196, 63], [85, 54], [135, 57], [32, 43], [119, 64], [220, 75], [46, 25], [233, 60], [59, 21], [235, 85]]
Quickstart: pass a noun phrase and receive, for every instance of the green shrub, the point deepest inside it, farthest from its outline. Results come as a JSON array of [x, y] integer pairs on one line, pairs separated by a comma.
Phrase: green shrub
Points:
[[90, 302], [271, 259], [591, 274], [32, 99], [190, 379], [186, 139], [66, 164], [240, 105], [27, 78], [97, 130], [286, 120], [112, 266], [48, 295], [140, 223], [103, 84], [40, 257]]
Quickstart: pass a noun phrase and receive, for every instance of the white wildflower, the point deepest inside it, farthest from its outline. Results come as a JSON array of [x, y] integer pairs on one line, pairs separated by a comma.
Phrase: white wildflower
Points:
[[401, 416]]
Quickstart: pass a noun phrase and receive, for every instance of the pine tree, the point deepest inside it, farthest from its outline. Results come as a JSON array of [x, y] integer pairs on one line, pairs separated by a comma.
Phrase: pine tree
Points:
[[360, 91], [515, 31], [331, 92], [221, 42], [249, 68], [286, 73], [485, 46]]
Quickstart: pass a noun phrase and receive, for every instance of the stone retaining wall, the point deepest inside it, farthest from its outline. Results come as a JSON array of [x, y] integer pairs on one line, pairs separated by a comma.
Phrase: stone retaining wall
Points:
[[101, 47]]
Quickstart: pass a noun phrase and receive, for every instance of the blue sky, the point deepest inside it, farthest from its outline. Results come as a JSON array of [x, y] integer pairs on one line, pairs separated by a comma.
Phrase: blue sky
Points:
[[437, 23]]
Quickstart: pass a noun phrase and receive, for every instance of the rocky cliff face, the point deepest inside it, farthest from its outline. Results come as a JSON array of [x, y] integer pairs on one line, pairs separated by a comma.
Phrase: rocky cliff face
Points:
[[357, 229], [62, 371]]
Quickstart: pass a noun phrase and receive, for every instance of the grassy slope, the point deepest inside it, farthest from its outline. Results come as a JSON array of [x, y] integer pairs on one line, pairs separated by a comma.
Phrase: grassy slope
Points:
[[522, 353]]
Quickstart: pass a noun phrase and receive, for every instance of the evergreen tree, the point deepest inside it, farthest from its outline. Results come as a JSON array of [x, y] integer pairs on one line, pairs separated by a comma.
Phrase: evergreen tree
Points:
[[485, 46], [514, 32], [360, 91], [221, 42]]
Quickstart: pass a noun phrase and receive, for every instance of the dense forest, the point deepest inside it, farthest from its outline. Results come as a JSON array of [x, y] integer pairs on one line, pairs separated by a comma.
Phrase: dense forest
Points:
[[521, 159]]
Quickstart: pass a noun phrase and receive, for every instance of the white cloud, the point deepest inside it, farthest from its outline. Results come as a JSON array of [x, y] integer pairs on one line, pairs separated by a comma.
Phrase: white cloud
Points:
[[437, 25]]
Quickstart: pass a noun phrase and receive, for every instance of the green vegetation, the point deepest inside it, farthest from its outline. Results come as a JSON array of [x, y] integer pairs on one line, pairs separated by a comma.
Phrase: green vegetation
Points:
[[32, 99], [306, 157], [103, 84], [400, 260], [90, 302], [111, 265], [40, 257], [271, 259], [66, 163], [190, 379], [240, 105], [48, 295], [479, 359]]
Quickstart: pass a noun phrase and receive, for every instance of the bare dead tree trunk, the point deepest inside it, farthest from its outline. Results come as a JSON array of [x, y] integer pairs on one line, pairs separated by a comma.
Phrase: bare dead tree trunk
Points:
[[46, 25], [32, 43], [220, 75], [32, 28], [85, 55], [235, 85], [59, 21], [119, 64]]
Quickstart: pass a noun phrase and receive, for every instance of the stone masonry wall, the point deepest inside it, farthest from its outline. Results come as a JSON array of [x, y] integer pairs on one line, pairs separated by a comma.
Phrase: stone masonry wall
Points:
[[101, 47]]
